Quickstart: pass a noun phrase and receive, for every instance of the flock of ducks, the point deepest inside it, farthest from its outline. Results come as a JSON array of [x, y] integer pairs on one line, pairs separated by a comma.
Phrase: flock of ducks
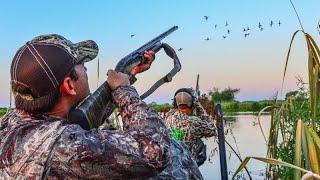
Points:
[[245, 31]]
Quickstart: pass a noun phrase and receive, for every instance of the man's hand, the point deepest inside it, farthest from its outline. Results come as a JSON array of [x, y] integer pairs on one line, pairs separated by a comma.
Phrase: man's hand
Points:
[[149, 57], [116, 79]]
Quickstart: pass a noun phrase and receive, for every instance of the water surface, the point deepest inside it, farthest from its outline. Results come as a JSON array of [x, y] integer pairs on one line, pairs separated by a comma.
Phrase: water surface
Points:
[[250, 142]]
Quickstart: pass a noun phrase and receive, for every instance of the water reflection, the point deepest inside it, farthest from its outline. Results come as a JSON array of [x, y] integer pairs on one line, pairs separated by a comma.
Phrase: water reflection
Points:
[[245, 131]]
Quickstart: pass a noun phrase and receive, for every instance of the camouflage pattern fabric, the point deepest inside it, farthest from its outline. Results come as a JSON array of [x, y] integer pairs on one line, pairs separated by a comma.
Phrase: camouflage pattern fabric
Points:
[[47, 147], [194, 128], [83, 51], [183, 164]]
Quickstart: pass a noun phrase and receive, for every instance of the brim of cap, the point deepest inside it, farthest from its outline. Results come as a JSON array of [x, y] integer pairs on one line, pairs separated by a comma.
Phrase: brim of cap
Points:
[[188, 105], [87, 51]]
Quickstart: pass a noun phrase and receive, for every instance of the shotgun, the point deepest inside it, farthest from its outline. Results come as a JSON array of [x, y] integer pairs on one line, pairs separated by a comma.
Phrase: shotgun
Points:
[[92, 111]]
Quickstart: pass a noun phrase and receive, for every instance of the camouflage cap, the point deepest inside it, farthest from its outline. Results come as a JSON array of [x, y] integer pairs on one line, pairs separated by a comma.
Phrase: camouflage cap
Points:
[[83, 51], [42, 63], [183, 98]]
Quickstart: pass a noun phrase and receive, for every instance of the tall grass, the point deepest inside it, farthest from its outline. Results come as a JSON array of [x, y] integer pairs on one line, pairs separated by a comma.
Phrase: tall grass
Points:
[[293, 143]]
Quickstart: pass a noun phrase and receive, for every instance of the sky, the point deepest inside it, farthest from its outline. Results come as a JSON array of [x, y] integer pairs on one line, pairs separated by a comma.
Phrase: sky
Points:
[[254, 64]]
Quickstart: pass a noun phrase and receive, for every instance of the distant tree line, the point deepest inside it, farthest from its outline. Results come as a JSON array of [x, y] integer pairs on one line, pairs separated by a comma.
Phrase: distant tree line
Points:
[[3, 111], [161, 107], [227, 99], [246, 106], [226, 95]]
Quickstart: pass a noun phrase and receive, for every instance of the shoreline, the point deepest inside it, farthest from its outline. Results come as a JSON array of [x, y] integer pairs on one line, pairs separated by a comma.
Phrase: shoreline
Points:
[[230, 114]]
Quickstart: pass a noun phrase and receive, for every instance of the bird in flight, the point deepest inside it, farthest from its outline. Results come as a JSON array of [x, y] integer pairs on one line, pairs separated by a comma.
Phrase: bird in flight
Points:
[[206, 17], [261, 29], [271, 23], [254, 123], [207, 39], [279, 23], [224, 37], [132, 35], [244, 30], [246, 34], [215, 26], [227, 23], [248, 29], [180, 49], [260, 26], [228, 31]]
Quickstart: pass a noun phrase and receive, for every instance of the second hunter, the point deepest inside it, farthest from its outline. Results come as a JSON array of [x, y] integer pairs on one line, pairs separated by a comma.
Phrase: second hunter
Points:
[[188, 122]]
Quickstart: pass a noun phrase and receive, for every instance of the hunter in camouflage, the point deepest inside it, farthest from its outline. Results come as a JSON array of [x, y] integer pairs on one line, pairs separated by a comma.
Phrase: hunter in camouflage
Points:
[[188, 120], [39, 144]]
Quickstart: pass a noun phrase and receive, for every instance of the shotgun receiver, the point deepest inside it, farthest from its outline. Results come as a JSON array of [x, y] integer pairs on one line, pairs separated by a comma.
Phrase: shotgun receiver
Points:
[[92, 111]]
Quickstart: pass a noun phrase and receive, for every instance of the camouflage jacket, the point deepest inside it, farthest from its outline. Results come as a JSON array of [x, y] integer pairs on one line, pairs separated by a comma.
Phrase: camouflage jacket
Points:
[[47, 147], [193, 127]]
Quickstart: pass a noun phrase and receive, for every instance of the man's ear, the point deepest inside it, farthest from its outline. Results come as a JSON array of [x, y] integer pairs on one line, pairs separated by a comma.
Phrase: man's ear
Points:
[[67, 87]]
